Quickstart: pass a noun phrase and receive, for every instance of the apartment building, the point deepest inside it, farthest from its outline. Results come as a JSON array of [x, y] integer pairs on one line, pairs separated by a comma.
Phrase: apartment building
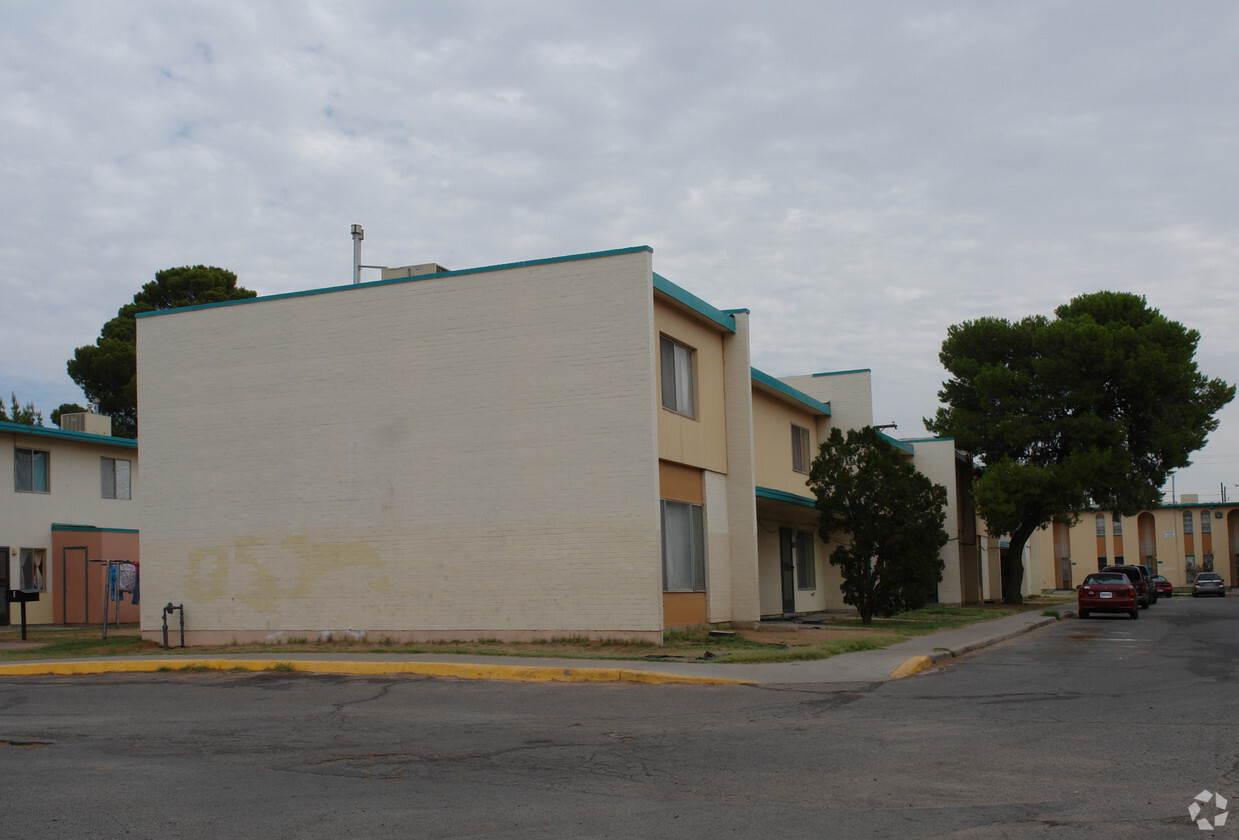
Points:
[[565, 446], [71, 506]]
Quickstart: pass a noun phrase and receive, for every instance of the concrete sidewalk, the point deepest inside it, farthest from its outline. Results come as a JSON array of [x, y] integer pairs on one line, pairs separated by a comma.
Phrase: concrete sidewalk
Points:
[[899, 660]]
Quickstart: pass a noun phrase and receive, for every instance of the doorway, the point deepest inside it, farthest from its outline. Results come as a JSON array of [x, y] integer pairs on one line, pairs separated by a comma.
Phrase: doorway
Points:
[[787, 568]]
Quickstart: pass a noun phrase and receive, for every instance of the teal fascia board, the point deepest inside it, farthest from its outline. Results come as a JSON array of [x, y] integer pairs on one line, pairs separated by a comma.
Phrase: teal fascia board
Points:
[[842, 372], [396, 280], [58, 526], [788, 391], [926, 439], [671, 290], [61, 434], [781, 496], [902, 446]]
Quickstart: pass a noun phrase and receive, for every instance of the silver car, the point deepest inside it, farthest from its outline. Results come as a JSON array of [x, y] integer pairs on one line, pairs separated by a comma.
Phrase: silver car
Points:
[[1209, 583]]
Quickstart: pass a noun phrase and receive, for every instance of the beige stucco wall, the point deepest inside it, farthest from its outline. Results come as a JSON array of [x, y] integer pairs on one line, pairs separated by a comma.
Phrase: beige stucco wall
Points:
[[699, 441], [850, 394], [74, 498], [456, 456], [935, 459]]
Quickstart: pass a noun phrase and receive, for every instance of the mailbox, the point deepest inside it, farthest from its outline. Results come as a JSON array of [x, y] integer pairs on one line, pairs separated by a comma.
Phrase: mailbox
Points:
[[22, 596]]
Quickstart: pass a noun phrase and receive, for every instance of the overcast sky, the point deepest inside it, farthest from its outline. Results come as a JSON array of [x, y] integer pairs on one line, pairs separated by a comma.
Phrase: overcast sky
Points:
[[859, 175]]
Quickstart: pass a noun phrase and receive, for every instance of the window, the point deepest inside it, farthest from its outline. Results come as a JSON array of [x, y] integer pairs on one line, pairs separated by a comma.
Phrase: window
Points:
[[684, 549], [114, 478], [800, 449], [32, 568], [806, 568], [1101, 525], [1101, 563], [677, 372], [1118, 525], [30, 470], [1187, 522], [1206, 527]]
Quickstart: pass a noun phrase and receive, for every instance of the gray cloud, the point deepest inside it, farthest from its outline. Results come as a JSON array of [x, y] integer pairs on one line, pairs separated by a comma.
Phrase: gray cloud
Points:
[[859, 175]]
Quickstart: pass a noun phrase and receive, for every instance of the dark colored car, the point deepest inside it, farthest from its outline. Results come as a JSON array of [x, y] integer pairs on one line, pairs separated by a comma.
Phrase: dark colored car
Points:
[[1162, 587], [1148, 576], [1140, 579], [1209, 583], [1107, 591]]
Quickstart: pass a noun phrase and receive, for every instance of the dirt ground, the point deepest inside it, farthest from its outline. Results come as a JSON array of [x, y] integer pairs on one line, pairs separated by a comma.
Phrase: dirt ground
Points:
[[806, 634]]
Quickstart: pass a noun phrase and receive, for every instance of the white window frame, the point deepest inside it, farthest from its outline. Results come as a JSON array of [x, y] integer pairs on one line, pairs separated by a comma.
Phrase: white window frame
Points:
[[115, 479], [800, 449], [683, 546], [1101, 525], [30, 462], [677, 364]]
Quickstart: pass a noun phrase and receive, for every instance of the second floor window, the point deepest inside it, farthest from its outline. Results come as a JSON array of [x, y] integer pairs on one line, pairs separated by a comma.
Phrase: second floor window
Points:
[[676, 363], [800, 449], [1187, 522], [30, 470], [114, 478]]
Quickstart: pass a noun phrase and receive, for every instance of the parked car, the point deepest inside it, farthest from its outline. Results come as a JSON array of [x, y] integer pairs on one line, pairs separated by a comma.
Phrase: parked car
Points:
[[1107, 591], [1208, 583], [1140, 579], [1162, 587], [1148, 576]]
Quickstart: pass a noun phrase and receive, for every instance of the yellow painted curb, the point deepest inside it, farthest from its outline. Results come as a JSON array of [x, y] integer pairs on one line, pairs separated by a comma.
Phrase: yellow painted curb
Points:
[[521, 673], [913, 665]]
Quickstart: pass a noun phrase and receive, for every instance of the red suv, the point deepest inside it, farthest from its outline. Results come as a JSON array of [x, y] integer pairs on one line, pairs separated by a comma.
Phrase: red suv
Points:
[[1140, 581]]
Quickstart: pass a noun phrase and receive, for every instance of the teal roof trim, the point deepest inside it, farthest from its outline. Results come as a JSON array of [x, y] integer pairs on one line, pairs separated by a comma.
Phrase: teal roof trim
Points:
[[781, 496], [57, 526], [61, 434], [788, 391], [842, 372], [902, 446], [926, 439], [671, 290], [395, 280]]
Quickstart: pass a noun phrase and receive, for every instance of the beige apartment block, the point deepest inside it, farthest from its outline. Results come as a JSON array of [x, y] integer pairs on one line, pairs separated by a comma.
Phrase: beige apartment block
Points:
[[572, 446], [1175, 541], [71, 503]]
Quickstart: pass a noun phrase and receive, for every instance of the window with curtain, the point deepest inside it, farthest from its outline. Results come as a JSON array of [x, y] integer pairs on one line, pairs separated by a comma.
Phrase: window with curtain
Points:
[[1206, 527], [1187, 522], [684, 550], [33, 568], [1118, 525], [1101, 525], [800, 449], [676, 365], [30, 470]]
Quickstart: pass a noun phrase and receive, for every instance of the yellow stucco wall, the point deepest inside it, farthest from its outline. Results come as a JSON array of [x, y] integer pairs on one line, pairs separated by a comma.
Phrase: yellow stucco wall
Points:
[[772, 443], [699, 441], [1170, 544]]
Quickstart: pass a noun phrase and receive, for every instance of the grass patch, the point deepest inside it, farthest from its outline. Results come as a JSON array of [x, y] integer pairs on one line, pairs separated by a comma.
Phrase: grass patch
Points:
[[805, 642], [72, 644]]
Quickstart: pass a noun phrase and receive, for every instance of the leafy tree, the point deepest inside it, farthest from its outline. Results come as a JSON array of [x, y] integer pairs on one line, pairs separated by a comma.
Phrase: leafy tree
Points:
[[66, 408], [18, 413], [889, 517], [1093, 407], [107, 370]]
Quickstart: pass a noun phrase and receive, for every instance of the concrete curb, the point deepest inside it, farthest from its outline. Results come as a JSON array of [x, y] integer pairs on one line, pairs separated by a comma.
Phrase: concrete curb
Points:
[[917, 664], [518, 673]]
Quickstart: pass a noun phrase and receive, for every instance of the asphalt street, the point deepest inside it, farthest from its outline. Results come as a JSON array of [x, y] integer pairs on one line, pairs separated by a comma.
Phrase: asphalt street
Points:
[[1100, 728]]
